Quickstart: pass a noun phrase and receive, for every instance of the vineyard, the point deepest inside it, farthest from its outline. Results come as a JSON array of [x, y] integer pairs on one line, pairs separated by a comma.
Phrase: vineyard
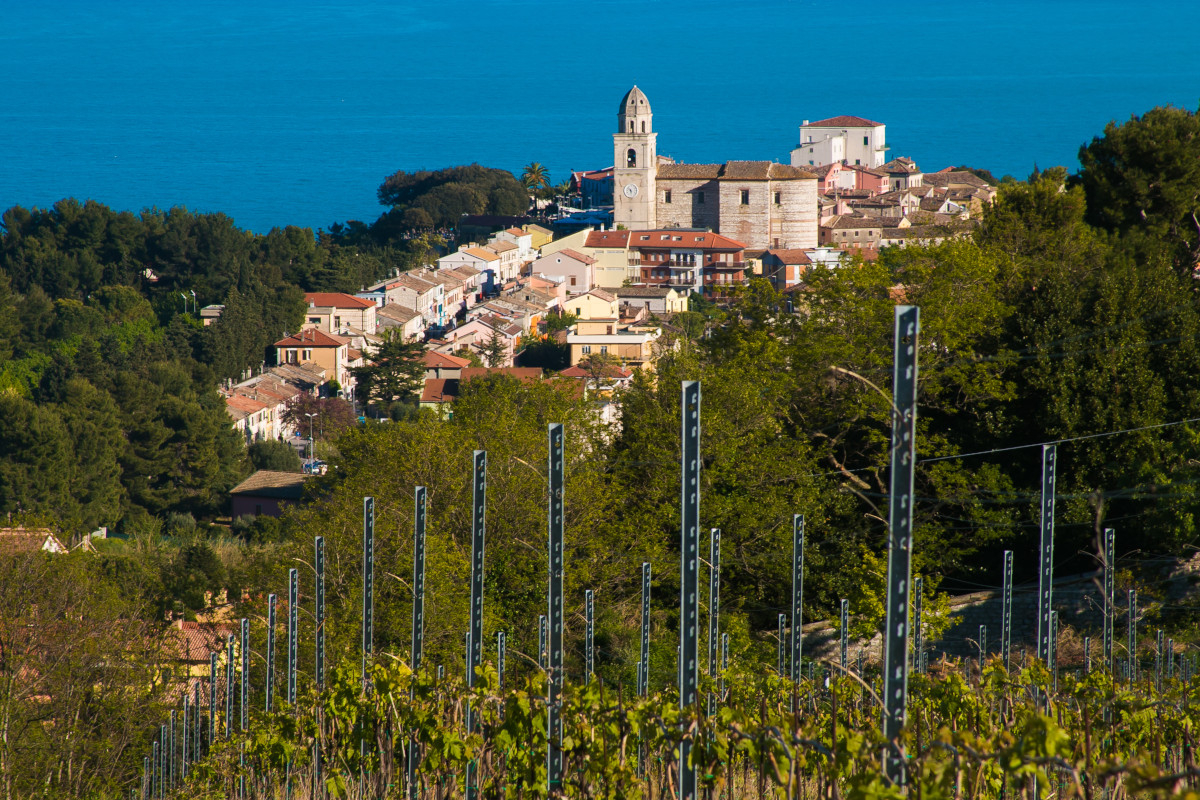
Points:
[[391, 726]]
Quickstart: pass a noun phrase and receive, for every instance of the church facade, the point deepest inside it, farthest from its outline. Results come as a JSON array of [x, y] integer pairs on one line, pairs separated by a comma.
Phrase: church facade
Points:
[[762, 204]]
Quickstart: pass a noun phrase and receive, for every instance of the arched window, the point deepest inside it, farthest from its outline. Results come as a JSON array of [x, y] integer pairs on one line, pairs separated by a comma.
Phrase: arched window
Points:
[[631, 126], [643, 126], [631, 158]]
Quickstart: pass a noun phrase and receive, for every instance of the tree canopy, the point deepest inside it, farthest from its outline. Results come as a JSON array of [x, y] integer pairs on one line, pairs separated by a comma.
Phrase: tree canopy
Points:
[[440, 197]]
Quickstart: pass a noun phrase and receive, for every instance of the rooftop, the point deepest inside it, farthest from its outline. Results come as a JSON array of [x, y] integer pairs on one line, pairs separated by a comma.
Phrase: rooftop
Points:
[[269, 483], [843, 121]]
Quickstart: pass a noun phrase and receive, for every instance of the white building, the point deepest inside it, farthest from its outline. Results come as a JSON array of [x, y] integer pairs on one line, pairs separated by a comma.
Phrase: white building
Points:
[[853, 140]]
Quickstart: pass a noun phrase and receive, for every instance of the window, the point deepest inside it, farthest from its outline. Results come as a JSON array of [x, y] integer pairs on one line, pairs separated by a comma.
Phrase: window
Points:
[[314, 320], [778, 195], [645, 238], [856, 161], [631, 157], [572, 280], [667, 196], [586, 349], [865, 141], [307, 355], [700, 198], [290, 357], [337, 322], [603, 349], [643, 126], [745, 197]]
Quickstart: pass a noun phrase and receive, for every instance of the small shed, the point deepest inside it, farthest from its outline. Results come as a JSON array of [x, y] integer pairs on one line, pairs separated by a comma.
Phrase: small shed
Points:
[[266, 492]]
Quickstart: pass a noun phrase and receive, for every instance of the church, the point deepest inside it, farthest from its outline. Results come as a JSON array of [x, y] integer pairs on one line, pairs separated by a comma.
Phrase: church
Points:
[[762, 204]]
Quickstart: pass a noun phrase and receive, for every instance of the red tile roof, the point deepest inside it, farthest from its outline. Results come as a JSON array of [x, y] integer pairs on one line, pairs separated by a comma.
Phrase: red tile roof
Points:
[[439, 390], [310, 337], [610, 371], [607, 239], [677, 238], [575, 254], [436, 360], [335, 300], [844, 121]]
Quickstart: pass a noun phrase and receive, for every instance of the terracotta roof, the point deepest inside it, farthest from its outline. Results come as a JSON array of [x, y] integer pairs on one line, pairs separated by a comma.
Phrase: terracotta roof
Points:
[[335, 300], [790, 256], [686, 171], [439, 390], [419, 285], [603, 295], [520, 373], [22, 540], [644, 291], [869, 170], [952, 177], [310, 337], [822, 170], [673, 238], [848, 222], [269, 483], [578, 256], [607, 239], [901, 166], [762, 171], [244, 404], [733, 171], [464, 271], [844, 121], [501, 247], [435, 360], [195, 641], [516, 232], [610, 371], [531, 228], [479, 252], [397, 312]]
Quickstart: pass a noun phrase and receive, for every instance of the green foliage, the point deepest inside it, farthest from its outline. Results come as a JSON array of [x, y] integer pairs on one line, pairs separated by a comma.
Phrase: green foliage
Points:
[[395, 371], [1143, 177], [274, 455], [445, 195]]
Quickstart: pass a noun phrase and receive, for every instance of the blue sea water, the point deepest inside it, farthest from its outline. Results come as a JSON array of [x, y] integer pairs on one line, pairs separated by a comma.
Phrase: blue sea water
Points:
[[292, 113]]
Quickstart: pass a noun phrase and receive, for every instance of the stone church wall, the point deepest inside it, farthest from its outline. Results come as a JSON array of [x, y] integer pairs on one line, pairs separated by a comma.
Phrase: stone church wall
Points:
[[685, 209]]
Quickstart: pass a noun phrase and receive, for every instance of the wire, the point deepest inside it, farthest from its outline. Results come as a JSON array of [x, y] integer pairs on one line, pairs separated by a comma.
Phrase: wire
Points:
[[1058, 441]]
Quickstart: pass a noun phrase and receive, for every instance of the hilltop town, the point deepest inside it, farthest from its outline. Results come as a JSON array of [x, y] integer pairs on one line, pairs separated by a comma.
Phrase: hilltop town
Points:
[[650, 234]]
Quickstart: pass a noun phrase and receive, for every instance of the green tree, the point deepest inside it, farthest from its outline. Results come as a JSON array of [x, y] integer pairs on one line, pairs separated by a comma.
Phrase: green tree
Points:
[[494, 350], [274, 455], [395, 371], [535, 176], [1143, 176]]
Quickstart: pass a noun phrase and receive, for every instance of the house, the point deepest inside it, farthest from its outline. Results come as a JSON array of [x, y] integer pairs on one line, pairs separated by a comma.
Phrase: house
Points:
[[20, 539], [443, 365], [326, 351], [333, 312], [477, 334], [902, 174], [191, 644], [785, 268], [252, 419], [410, 323], [628, 346], [596, 304], [849, 139], [423, 294], [266, 492], [603, 381], [864, 232], [655, 299], [686, 260], [517, 236], [509, 260], [577, 270], [595, 187], [210, 314], [482, 260], [539, 236]]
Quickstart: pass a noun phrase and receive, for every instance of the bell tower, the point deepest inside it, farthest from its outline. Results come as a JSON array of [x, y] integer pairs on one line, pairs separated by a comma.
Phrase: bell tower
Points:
[[635, 164]]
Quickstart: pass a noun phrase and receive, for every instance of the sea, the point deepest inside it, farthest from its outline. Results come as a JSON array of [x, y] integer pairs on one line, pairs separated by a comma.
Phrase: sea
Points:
[[293, 113]]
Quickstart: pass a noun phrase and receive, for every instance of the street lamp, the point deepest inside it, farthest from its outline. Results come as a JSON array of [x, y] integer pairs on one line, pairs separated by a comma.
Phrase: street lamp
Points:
[[310, 434], [184, 296], [193, 291]]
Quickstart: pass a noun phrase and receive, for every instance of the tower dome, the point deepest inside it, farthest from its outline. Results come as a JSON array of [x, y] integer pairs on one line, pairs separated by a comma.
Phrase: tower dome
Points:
[[633, 115]]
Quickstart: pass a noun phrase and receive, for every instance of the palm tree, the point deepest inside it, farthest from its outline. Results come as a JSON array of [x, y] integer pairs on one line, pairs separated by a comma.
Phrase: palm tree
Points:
[[535, 177]]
